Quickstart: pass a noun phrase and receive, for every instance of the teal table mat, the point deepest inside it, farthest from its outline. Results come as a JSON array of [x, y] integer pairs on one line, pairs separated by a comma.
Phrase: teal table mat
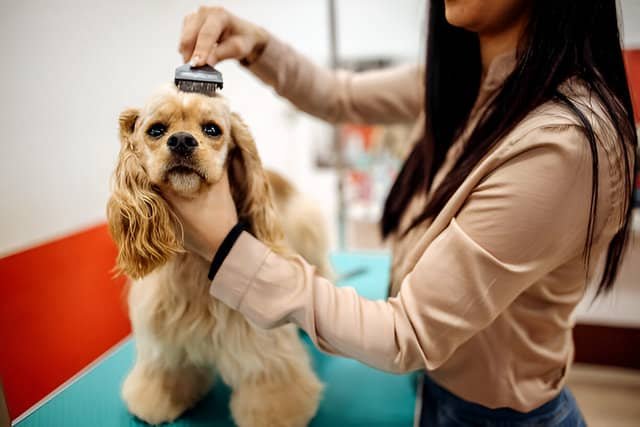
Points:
[[355, 394]]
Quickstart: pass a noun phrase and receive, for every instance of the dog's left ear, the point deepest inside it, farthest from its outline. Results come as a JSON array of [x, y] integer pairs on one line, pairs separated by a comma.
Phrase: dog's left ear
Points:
[[140, 221], [250, 188]]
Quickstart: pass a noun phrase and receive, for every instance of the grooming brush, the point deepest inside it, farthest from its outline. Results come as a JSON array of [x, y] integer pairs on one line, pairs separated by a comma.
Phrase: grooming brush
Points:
[[205, 80]]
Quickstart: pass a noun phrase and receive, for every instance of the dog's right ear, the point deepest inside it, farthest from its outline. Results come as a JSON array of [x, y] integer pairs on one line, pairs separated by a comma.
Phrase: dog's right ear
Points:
[[128, 119], [140, 220]]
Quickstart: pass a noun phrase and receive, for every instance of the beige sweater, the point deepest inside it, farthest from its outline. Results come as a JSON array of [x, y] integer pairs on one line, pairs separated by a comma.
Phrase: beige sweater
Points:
[[483, 293]]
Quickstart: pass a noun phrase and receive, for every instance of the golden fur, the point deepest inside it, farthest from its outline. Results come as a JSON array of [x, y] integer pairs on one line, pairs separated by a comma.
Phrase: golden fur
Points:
[[184, 337], [303, 223]]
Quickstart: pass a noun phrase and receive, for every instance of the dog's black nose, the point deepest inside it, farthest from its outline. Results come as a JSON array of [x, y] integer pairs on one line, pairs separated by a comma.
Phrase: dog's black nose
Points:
[[182, 143]]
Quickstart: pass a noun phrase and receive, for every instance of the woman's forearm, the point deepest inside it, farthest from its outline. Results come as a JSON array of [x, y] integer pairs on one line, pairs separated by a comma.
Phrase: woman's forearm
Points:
[[381, 96], [271, 290]]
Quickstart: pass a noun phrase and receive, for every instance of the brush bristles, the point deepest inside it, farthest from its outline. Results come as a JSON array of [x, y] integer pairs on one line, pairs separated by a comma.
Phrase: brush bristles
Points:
[[205, 88]]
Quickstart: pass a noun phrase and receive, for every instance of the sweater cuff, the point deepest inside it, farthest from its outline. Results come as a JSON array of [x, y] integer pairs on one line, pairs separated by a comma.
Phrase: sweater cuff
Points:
[[240, 266], [225, 248]]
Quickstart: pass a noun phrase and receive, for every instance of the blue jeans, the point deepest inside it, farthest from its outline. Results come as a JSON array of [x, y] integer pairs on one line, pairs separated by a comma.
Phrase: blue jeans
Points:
[[440, 408]]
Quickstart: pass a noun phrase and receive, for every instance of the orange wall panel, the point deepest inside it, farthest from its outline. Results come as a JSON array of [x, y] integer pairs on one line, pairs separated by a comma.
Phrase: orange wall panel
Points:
[[632, 60], [60, 308]]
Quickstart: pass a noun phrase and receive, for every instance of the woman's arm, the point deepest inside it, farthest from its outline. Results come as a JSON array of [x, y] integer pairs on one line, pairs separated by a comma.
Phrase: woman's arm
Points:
[[382, 96], [525, 218], [212, 34]]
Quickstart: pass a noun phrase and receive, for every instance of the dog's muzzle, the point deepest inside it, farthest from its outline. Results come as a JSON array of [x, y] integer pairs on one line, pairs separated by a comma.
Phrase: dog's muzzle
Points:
[[182, 144]]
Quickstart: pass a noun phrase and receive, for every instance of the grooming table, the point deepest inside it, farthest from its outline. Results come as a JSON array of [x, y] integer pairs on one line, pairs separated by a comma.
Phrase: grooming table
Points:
[[355, 395]]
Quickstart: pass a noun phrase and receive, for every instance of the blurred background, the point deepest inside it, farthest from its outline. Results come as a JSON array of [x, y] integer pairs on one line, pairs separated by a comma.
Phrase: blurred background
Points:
[[69, 68]]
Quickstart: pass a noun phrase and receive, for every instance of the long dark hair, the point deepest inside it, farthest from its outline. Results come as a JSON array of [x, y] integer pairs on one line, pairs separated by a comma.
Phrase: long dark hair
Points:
[[563, 39]]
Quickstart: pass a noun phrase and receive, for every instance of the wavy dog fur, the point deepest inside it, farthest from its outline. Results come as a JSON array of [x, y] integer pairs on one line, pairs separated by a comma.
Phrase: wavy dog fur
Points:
[[184, 337], [250, 188], [140, 221]]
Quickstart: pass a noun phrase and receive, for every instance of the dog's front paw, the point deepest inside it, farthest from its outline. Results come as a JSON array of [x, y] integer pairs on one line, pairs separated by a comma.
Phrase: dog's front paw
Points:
[[276, 404], [147, 399], [158, 396]]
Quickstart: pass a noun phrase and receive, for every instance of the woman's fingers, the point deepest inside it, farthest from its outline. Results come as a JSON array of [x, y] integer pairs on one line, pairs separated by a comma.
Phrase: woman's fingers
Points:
[[190, 28], [214, 25], [213, 34], [234, 47]]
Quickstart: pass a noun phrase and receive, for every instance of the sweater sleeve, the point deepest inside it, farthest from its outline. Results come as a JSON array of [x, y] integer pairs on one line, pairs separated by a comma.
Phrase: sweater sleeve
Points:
[[505, 238], [381, 96]]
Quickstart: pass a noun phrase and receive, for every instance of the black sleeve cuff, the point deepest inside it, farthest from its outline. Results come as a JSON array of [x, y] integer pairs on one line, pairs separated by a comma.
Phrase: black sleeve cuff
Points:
[[225, 248]]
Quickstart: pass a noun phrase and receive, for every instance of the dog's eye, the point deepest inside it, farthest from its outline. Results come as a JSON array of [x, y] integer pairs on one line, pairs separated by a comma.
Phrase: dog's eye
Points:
[[211, 129], [156, 130]]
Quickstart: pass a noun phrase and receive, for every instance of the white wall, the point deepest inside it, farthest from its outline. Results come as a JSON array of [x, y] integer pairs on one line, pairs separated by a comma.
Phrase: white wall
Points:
[[69, 67], [630, 22]]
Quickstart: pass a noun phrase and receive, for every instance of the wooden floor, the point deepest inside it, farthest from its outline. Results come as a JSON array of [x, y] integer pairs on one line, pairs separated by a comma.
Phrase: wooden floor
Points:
[[608, 397]]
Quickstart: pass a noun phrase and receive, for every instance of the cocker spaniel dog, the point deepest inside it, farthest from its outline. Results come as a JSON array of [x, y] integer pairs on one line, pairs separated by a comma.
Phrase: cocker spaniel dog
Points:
[[184, 337]]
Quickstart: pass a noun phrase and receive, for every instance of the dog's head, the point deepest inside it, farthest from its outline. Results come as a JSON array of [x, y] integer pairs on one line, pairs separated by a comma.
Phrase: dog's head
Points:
[[182, 142]]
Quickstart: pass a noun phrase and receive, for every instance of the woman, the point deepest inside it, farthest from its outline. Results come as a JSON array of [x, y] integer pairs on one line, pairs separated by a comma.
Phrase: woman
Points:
[[518, 182]]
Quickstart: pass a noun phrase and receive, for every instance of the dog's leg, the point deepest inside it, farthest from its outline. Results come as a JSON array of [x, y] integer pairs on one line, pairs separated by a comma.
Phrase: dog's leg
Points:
[[271, 376], [160, 390]]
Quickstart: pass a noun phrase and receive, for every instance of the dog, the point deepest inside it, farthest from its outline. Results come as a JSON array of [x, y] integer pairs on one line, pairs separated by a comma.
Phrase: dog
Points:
[[184, 337], [303, 223]]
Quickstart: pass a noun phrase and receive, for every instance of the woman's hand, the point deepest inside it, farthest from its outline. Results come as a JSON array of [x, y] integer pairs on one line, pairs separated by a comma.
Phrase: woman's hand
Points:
[[212, 34], [206, 218]]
